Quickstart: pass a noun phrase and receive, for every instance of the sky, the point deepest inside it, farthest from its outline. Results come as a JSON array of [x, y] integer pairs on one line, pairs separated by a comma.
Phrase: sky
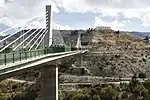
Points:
[[125, 15]]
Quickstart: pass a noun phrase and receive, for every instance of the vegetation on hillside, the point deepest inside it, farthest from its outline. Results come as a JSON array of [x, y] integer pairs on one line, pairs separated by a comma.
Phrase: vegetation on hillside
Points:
[[132, 91], [133, 56]]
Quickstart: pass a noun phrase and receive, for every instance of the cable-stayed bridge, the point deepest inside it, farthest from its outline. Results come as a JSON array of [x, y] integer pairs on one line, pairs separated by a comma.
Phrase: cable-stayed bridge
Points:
[[29, 48]]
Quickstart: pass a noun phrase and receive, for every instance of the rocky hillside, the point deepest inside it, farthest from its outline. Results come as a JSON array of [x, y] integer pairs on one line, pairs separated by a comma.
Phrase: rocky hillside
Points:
[[118, 55]]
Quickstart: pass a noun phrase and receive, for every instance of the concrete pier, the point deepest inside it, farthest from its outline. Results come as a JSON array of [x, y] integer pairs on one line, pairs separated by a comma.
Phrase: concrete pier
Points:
[[49, 83]]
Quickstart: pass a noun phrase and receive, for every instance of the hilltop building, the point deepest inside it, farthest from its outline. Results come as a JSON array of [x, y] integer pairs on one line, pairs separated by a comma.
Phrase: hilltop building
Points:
[[103, 28]]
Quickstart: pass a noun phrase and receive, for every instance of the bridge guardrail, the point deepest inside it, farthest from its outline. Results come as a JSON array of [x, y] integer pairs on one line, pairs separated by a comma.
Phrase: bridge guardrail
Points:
[[14, 56]]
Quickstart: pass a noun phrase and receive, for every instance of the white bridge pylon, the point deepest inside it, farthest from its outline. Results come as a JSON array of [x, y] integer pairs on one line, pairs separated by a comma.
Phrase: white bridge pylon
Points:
[[78, 45], [49, 16]]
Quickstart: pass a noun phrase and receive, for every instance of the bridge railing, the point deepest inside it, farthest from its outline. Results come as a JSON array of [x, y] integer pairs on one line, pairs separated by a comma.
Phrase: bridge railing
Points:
[[12, 57]]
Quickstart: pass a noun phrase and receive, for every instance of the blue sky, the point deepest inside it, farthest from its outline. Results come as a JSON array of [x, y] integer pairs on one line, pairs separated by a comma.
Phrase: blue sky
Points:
[[128, 15], [75, 20]]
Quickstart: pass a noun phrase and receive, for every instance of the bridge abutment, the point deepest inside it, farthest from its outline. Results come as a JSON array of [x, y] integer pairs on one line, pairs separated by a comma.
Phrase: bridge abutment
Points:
[[49, 83]]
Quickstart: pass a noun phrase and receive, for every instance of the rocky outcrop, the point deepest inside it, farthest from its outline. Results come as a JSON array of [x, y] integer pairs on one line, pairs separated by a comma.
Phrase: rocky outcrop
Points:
[[120, 56]]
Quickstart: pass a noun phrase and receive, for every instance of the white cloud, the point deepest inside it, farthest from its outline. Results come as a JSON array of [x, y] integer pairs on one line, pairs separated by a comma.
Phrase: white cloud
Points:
[[129, 8], [61, 27], [1, 3], [41, 23], [127, 21], [17, 11], [132, 14], [146, 19], [7, 21], [114, 25], [109, 12], [93, 5]]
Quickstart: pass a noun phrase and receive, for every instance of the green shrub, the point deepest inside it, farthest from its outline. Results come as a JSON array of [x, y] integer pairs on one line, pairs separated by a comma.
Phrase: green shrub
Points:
[[96, 97], [111, 92], [147, 84], [142, 75], [77, 96], [3, 96], [85, 94], [108, 93], [124, 95]]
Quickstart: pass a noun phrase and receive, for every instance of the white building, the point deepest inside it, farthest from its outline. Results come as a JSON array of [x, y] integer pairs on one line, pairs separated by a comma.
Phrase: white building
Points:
[[103, 28]]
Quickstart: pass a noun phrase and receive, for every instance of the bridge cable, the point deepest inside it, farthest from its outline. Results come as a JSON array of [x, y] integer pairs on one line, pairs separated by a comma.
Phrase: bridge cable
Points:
[[42, 39], [16, 31], [38, 39], [10, 35], [33, 38], [25, 39], [43, 35], [15, 40]]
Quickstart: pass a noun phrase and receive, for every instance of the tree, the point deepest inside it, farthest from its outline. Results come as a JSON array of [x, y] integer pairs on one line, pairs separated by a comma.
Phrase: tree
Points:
[[89, 30], [3, 96], [108, 93], [124, 95], [140, 90], [142, 75], [118, 32], [96, 97], [147, 84], [85, 94], [146, 39], [29, 95], [133, 84], [77, 96], [75, 32]]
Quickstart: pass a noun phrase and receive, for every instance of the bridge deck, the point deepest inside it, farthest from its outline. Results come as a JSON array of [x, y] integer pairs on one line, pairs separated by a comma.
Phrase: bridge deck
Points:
[[34, 62], [11, 57]]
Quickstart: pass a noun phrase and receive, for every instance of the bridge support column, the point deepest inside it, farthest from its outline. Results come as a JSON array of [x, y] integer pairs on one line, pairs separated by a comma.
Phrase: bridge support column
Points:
[[80, 60], [49, 83]]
